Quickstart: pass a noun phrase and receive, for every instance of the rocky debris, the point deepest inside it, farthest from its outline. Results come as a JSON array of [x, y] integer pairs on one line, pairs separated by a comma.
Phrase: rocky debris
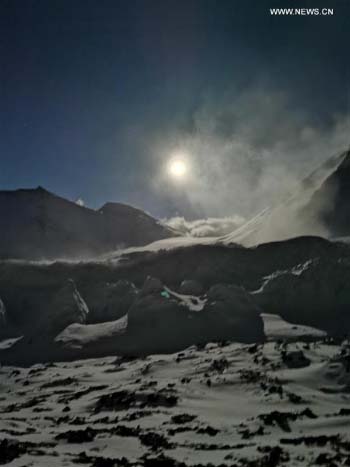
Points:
[[253, 349], [179, 429], [191, 287], [273, 456], [78, 436], [110, 301], [217, 447], [123, 400], [251, 376], [78, 394], [11, 449], [318, 440], [328, 459], [208, 430], [99, 461], [155, 441], [182, 418], [295, 398], [282, 419], [136, 415], [25, 405], [295, 359], [59, 382], [343, 412], [247, 434], [219, 365], [125, 431], [161, 461]]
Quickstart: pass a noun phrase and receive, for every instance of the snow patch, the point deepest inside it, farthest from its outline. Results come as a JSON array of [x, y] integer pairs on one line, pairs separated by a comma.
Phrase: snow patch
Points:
[[77, 335], [277, 328]]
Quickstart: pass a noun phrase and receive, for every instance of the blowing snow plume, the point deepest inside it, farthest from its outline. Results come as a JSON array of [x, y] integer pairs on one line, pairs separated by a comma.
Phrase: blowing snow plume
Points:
[[245, 150], [208, 227], [317, 207]]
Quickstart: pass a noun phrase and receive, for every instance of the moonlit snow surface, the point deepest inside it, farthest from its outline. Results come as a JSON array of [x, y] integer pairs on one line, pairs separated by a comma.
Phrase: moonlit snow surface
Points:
[[224, 404], [76, 335]]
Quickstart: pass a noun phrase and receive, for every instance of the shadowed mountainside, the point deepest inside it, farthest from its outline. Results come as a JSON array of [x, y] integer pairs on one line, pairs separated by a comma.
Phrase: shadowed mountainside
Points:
[[40, 225]]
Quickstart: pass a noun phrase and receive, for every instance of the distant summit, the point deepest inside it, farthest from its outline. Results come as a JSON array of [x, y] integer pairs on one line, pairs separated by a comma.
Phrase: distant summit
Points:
[[37, 224]]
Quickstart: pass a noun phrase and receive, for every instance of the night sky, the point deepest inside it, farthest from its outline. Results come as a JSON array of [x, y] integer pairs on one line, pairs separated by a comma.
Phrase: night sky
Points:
[[95, 95]]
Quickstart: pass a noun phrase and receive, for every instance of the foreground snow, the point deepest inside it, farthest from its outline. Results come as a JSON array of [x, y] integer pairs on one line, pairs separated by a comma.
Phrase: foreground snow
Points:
[[224, 405]]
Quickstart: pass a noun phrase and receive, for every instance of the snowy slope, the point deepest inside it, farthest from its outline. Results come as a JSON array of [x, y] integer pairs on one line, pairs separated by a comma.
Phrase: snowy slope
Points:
[[224, 405], [300, 213]]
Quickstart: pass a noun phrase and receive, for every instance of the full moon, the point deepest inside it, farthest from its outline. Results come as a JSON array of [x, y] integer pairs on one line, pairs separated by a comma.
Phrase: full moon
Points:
[[177, 167]]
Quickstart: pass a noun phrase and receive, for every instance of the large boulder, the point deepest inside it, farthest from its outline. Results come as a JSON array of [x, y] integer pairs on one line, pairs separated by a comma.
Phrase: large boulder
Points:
[[151, 286], [158, 321], [232, 314], [191, 287], [110, 301], [315, 293], [163, 321], [67, 307]]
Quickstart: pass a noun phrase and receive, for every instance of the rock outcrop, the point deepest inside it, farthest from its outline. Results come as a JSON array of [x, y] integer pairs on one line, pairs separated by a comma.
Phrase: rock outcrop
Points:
[[2, 316], [164, 321], [110, 301], [67, 307], [191, 287], [233, 315]]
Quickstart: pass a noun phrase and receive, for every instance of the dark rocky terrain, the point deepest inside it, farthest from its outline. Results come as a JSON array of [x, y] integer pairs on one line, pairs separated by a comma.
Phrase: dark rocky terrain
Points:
[[304, 280]]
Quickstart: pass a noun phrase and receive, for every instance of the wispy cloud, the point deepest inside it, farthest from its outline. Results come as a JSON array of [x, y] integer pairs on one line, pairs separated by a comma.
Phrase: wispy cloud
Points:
[[209, 227], [248, 149]]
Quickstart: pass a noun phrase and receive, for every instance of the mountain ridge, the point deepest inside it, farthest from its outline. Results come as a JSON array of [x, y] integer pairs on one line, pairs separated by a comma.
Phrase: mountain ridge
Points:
[[38, 224]]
